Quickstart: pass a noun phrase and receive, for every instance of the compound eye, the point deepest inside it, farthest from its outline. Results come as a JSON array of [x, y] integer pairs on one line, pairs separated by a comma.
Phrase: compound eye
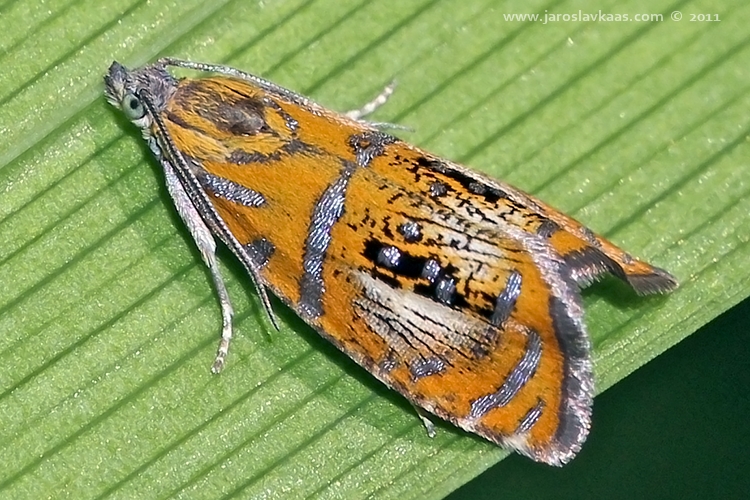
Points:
[[133, 107]]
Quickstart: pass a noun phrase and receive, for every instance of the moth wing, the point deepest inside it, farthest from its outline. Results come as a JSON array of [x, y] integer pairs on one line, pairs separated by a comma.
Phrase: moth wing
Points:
[[518, 374], [478, 320], [586, 254], [504, 354]]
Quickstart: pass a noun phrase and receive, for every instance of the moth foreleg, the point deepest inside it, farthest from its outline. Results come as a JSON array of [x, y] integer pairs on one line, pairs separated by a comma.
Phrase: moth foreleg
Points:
[[207, 247]]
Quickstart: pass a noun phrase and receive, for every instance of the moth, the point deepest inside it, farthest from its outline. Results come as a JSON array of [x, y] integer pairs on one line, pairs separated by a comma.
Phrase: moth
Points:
[[460, 292]]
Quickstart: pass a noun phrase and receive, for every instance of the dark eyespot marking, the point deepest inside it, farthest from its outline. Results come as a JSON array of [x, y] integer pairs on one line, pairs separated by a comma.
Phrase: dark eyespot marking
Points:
[[438, 189], [441, 286], [445, 289], [477, 188], [474, 186], [411, 231], [430, 270], [389, 256]]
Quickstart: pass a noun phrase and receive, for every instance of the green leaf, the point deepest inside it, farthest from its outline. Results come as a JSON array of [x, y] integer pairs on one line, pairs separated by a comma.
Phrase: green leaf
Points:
[[108, 322]]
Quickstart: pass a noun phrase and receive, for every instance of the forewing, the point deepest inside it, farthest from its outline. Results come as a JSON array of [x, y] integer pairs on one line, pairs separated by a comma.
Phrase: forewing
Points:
[[447, 292]]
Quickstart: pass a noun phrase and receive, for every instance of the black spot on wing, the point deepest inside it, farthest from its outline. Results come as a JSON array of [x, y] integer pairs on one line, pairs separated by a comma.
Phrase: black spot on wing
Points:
[[441, 286], [438, 189], [405, 265], [411, 231], [476, 187]]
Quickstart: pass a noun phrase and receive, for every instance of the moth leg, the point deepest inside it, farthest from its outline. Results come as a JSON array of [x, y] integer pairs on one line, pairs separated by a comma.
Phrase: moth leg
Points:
[[379, 100], [428, 425], [207, 247]]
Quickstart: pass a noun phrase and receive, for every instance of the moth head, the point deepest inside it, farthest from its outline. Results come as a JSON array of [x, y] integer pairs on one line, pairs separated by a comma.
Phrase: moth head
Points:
[[139, 93]]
